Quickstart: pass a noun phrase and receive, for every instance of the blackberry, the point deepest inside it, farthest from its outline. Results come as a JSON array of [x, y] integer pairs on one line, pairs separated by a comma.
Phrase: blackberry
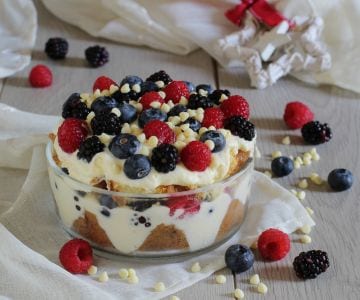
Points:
[[308, 265], [74, 108], [160, 76], [96, 56], [240, 127], [196, 101], [120, 97], [108, 123], [176, 110], [215, 96], [56, 48], [164, 158], [316, 133], [89, 147]]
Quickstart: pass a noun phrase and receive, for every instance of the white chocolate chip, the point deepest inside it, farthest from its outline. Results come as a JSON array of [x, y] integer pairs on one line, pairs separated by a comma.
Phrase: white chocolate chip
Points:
[[210, 144], [155, 104], [183, 101], [165, 108], [200, 110], [136, 88], [268, 173], [89, 117], [126, 128], [294, 192], [175, 120], [103, 277], [202, 92], [286, 140], [192, 113], [255, 279], [291, 157], [299, 160], [160, 83], [212, 127], [105, 93], [305, 229], [181, 137], [307, 161], [223, 97], [97, 94], [159, 287], [315, 178], [307, 155], [141, 137], [257, 152], [133, 279], [131, 272], [297, 165], [116, 111], [113, 88], [303, 184], [179, 145], [276, 154], [174, 298], [309, 210], [153, 141], [220, 279], [184, 116], [92, 270], [123, 273], [162, 94], [189, 133], [301, 195], [313, 151], [262, 288], [125, 88], [84, 96], [195, 268], [305, 239], [144, 150], [202, 130], [239, 294], [185, 126], [199, 117], [315, 157], [171, 104]]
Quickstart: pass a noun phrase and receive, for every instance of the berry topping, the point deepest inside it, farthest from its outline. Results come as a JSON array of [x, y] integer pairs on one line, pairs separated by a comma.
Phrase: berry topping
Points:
[[197, 101], [216, 137], [160, 76], [161, 130], [103, 104], [213, 116], [316, 133], [89, 147], [235, 106], [194, 124], [107, 201], [120, 97], [103, 83], [282, 166], [96, 56], [164, 158], [190, 86], [149, 98], [273, 244], [196, 156], [175, 90], [131, 80], [56, 48], [76, 256], [216, 95], [71, 133], [297, 114], [240, 127], [204, 89], [137, 166], [150, 115], [340, 179], [176, 110], [239, 258], [148, 86], [128, 113], [40, 76], [308, 265], [188, 204], [108, 123], [74, 108], [124, 145]]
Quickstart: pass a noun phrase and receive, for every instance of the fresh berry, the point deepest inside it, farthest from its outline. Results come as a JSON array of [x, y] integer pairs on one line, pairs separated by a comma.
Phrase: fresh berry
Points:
[[71, 133], [176, 110], [141, 205], [76, 256], [107, 201], [235, 106], [56, 48], [297, 114], [97, 56], [131, 80], [128, 113], [175, 90], [188, 204], [150, 115], [204, 89], [108, 123], [215, 136], [340, 179], [310, 264], [216, 95], [213, 116], [316, 133], [196, 156], [89, 147], [148, 86], [282, 166], [103, 83], [273, 244], [190, 86], [197, 101], [40, 76], [120, 97], [137, 166], [164, 158], [240, 127], [124, 145], [194, 124], [103, 104], [161, 130], [239, 258], [160, 76], [149, 98], [75, 108]]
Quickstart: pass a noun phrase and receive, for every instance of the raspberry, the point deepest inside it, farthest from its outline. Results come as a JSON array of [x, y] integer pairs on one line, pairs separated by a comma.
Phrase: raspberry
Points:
[[56, 48], [40, 76], [149, 98], [96, 56], [76, 256], [189, 205], [103, 83], [71, 133], [196, 156], [297, 114], [161, 130], [273, 244], [235, 106], [175, 90], [213, 117]]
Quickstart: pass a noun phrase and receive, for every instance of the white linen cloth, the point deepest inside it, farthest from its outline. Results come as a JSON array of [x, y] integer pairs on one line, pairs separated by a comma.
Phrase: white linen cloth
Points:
[[31, 234]]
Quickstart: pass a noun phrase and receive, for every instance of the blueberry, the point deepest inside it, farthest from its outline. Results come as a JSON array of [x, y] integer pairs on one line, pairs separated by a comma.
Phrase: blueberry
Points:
[[150, 115], [103, 104], [340, 179], [190, 86], [131, 80], [282, 166], [195, 125], [176, 110], [137, 166], [107, 201], [128, 112], [205, 87], [148, 86], [215, 136], [141, 205], [124, 145], [239, 258]]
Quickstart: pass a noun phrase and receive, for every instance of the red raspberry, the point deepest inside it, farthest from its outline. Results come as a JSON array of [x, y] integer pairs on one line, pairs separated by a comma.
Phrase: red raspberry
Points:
[[161, 130], [196, 156], [174, 90], [235, 106], [149, 98], [76, 256], [189, 205], [297, 114], [213, 116], [40, 76], [273, 244], [71, 133], [103, 83]]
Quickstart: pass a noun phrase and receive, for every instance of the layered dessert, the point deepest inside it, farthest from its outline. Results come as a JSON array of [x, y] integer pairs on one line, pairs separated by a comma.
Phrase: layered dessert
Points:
[[152, 167]]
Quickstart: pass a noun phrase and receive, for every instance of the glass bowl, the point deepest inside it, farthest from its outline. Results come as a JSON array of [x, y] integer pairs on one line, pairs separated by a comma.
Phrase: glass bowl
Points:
[[177, 224]]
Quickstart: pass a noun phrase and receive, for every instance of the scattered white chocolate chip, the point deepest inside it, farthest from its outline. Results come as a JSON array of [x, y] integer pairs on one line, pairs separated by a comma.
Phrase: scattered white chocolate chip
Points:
[[313, 151], [165, 108], [174, 298], [141, 137], [97, 93], [294, 192], [105, 93], [183, 101], [123, 273], [299, 160], [144, 150], [133, 279], [257, 152], [316, 157], [239, 294], [307, 155], [286, 140], [275, 154], [305, 229], [160, 83], [179, 145], [223, 97], [195, 268], [262, 288], [84, 96], [200, 110], [136, 88], [181, 137], [301, 195], [171, 103], [268, 173], [307, 161], [126, 128], [153, 141], [159, 287], [297, 165], [113, 88], [185, 126], [175, 120], [315, 178], [125, 88], [92, 270], [202, 130], [255, 279], [155, 104], [309, 210], [199, 117], [89, 117], [210, 144], [220, 279], [202, 92], [131, 272], [116, 111], [171, 125], [291, 157], [103, 277], [303, 184], [212, 127], [192, 113], [305, 239], [184, 116]]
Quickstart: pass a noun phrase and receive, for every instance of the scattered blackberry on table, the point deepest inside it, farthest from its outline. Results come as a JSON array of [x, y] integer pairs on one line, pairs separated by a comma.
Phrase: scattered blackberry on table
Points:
[[124, 145], [160, 76], [282, 166], [74, 108], [137, 166], [216, 95], [97, 56], [176, 110], [216, 137], [128, 112], [239, 258], [190, 86], [206, 89], [196, 101], [103, 104], [108, 123], [194, 124], [340, 179], [89, 148], [308, 265], [316, 133], [150, 115], [164, 158], [240, 127], [56, 48]]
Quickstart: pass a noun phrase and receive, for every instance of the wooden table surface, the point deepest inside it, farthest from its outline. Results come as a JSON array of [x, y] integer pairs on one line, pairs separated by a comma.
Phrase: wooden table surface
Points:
[[337, 215]]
